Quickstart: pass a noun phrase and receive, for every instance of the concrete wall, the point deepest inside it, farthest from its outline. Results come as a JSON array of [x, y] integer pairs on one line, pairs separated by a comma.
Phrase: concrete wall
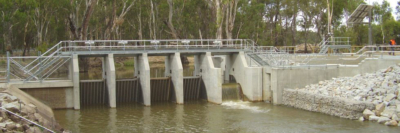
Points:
[[173, 68], [55, 95], [220, 62], [211, 77], [250, 78], [144, 76], [299, 77], [43, 109], [196, 71], [341, 107], [266, 87], [110, 78], [55, 98]]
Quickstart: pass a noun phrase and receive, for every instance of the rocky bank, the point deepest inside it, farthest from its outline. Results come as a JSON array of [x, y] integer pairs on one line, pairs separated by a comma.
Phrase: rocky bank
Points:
[[12, 123], [371, 96]]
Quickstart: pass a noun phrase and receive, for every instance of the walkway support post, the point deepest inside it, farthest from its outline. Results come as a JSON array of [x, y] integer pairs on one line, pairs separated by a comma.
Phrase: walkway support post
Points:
[[75, 80], [144, 76], [110, 78], [196, 71], [174, 69]]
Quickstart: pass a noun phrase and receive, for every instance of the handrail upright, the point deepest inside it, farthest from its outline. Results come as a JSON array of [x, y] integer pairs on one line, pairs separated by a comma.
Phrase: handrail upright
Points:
[[8, 66]]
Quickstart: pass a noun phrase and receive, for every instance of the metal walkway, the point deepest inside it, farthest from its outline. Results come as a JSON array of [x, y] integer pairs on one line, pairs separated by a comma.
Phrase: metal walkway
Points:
[[40, 68]]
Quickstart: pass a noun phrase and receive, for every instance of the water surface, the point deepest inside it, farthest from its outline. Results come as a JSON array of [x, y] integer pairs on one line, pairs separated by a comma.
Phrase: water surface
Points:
[[201, 116]]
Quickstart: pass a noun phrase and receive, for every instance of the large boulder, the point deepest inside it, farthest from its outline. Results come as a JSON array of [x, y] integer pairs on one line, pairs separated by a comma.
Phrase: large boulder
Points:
[[11, 107], [389, 97], [388, 112], [383, 120], [379, 109], [391, 123], [373, 118], [367, 113], [15, 118], [29, 109], [11, 126], [395, 117], [2, 125], [10, 98], [19, 127], [38, 117]]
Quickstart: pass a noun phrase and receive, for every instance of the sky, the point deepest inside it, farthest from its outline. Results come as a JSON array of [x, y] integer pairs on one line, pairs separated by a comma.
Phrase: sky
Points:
[[393, 4]]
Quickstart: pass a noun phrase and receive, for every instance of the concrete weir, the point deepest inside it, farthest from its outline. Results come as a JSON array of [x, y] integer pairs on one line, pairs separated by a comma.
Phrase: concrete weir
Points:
[[206, 83], [215, 61]]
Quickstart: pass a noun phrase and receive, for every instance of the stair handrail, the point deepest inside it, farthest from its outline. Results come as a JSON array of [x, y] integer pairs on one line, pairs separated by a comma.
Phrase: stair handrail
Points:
[[55, 46], [44, 61]]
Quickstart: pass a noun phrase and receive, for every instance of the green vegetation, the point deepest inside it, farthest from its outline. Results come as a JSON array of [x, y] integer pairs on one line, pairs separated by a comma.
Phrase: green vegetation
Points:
[[39, 24], [2, 62]]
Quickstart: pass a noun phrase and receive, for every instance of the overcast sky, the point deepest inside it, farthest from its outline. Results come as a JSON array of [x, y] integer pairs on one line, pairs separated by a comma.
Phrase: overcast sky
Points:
[[393, 4]]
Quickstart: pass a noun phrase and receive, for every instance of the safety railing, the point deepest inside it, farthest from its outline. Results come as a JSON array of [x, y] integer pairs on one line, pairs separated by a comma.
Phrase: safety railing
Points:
[[43, 71], [296, 59], [147, 45]]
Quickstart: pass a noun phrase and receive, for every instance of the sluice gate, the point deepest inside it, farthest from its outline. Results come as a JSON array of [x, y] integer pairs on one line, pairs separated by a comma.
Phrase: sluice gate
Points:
[[161, 89], [93, 92], [128, 91], [191, 88]]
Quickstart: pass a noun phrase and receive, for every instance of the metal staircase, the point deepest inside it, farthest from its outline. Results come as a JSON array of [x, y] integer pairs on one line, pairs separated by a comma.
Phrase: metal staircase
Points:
[[335, 43], [41, 67], [323, 46], [257, 59]]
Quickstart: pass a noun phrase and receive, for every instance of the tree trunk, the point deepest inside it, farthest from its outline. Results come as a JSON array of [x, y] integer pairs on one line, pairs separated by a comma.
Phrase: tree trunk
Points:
[[230, 18], [219, 16], [89, 10], [25, 45], [169, 23]]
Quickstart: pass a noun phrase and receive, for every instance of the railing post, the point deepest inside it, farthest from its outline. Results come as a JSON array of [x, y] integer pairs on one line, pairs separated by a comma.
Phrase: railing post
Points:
[[8, 67], [40, 67]]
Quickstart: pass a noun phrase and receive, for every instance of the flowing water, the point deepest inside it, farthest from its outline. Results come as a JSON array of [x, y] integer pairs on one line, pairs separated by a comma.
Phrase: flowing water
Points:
[[231, 92]]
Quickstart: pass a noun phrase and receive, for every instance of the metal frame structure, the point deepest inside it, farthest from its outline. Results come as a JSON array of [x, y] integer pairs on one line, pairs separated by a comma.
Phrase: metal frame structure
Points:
[[357, 17], [334, 43]]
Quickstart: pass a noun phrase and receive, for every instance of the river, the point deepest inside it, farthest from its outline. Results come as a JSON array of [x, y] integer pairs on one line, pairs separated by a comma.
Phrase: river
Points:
[[201, 116]]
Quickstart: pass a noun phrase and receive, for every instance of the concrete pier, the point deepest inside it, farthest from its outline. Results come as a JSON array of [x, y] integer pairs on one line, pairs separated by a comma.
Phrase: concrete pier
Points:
[[75, 80], [250, 78], [144, 76], [110, 78], [174, 69], [211, 77]]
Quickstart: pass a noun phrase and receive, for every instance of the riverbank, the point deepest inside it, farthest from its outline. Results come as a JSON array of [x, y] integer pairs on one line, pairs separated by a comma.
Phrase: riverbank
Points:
[[371, 96], [12, 122]]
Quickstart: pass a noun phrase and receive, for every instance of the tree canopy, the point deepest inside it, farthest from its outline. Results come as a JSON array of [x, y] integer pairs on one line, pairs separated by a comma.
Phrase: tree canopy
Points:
[[39, 24]]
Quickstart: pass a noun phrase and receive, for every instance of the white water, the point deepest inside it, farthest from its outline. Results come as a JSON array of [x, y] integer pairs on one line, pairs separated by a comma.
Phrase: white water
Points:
[[244, 106]]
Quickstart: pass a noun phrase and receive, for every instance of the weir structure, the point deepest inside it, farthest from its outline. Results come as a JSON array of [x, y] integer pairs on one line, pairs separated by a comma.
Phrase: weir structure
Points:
[[262, 72]]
